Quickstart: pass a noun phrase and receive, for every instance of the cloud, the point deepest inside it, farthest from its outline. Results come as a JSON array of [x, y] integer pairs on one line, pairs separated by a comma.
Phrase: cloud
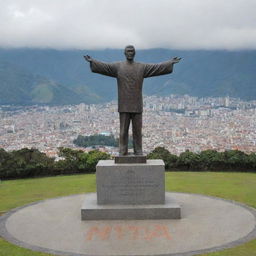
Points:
[[95, 24]]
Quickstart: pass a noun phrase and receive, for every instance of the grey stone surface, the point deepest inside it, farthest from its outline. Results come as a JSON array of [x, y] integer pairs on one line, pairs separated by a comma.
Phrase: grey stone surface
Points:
[[130, 183], [92, 211], [130, 159], [54, 226]]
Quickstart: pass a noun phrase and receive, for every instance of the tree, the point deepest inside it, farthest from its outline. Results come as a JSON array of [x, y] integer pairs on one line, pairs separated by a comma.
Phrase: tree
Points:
[[77, 161], [94, 157], [211, 160], [236, 159], [72, 161], [94, 140], [162, 153], [188, 160], [4, 159], [252, 161], [25, 163]]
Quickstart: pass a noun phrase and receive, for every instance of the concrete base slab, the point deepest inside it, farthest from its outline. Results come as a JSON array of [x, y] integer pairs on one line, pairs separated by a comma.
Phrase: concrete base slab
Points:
[[54, 226], [92, 211]]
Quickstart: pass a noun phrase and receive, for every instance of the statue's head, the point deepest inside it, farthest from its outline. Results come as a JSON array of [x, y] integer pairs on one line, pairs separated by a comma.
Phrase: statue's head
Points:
[[129, 52]]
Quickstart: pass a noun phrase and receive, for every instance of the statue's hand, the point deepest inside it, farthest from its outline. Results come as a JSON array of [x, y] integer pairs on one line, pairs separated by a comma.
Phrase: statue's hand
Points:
[[88, 58], [176, 60]]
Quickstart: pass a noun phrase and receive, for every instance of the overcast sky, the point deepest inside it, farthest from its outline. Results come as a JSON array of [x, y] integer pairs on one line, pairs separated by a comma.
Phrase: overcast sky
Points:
[[99, 24]]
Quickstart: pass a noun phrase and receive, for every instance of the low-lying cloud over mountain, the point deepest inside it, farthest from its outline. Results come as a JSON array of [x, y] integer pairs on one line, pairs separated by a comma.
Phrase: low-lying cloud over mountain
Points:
[[94, 24]]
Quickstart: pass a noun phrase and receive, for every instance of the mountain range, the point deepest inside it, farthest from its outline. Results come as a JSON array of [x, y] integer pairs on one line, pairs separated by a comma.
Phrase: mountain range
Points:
[[54, 77]]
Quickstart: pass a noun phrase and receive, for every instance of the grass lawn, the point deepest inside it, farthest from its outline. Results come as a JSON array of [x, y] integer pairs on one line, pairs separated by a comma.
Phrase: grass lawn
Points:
[[240, 187]]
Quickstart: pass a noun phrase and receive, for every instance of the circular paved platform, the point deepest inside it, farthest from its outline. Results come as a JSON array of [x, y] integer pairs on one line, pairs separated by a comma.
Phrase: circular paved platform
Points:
[[55, 226]]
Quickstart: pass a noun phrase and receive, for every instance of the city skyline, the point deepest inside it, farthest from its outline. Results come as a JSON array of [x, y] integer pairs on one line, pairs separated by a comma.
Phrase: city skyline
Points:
[[177, 123]]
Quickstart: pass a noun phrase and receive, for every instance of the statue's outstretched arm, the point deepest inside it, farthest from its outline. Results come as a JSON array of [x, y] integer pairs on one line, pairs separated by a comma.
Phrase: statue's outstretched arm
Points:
[[104, 68], [159, 69]]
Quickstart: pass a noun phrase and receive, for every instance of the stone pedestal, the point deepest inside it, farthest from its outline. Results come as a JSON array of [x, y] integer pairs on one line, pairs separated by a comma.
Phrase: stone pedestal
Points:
[[129, 191], [130, 183]]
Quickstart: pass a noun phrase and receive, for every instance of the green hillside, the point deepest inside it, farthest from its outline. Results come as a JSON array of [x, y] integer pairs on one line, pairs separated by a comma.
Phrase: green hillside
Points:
[[200, 73], [20, 87]]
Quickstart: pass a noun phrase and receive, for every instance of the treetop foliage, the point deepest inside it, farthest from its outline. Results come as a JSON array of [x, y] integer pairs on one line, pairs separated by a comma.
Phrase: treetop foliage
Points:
[[96, 140], [26, 162], [207, 160]]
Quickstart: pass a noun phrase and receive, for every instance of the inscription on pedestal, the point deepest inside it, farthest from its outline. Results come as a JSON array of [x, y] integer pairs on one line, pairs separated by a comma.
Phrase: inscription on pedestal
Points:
[[130, 159], [130, 183]]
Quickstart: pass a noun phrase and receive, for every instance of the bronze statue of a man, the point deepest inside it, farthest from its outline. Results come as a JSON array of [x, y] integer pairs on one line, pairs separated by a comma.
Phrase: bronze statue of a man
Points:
[[130, 75]]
